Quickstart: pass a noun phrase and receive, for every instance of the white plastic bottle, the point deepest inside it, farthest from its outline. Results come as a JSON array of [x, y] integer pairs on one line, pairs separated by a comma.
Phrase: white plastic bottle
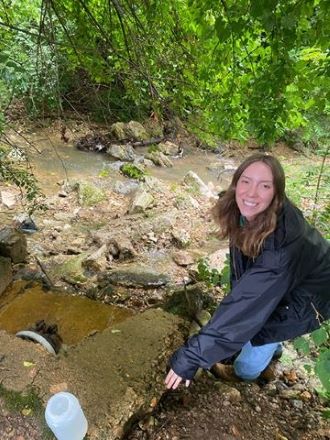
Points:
[[65, 417]]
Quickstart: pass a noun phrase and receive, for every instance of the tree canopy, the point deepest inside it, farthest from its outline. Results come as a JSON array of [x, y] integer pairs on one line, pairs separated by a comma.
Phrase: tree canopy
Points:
[[232, 68]]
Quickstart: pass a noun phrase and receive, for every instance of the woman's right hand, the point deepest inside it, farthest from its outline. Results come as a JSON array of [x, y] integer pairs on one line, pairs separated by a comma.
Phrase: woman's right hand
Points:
[[172, 380]]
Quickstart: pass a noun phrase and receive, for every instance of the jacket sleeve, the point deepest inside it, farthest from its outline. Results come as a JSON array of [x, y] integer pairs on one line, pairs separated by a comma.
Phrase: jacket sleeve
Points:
[[239, 316]]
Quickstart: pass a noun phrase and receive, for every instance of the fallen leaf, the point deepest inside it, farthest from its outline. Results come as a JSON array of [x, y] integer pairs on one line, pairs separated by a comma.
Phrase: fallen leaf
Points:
[[57, 388], [28, 364], [26, 411]]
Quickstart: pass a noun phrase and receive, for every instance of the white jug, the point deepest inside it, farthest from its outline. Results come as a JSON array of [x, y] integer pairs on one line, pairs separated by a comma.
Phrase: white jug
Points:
[[65, 417]]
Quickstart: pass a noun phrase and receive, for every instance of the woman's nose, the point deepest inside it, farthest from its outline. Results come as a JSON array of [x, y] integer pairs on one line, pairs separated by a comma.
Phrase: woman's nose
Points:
[[253, 190]]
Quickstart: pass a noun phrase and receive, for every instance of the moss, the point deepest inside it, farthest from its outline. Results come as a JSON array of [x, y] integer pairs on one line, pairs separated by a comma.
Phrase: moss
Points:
[[28, 404], [132, 171], [90, 195], [153, 148]]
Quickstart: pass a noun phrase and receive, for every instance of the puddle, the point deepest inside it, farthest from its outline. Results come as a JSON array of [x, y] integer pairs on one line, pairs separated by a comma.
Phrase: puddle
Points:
[[76, 317]]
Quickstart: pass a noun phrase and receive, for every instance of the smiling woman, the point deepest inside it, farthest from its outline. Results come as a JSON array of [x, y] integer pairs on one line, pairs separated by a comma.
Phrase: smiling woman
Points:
[[280, 277], [254, 190]]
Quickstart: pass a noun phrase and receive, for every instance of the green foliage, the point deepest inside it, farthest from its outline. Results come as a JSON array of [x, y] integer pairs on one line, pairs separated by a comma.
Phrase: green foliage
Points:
[[90, 195], [319, 341], [212, 277], [133, 172], [234, 69], [24, 179]]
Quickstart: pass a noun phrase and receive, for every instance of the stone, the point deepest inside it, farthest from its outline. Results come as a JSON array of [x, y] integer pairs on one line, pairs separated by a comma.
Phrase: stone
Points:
[[195, 183], [141, 201], [122, 152], [181, 237], [168, 148], [126, 187], [117, 130], [97, 261], [159, 158], [6, 274], [122, 248], [135, 131], [13, 244], [135, 276], [8, 198], [182, 258]]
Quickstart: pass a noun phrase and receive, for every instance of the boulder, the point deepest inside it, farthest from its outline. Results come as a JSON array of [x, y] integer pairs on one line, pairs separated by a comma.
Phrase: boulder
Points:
[[117, 130], [141, 201], [135, 131], [195, 183], [6, 274], [181, 237], [122, 152], [137, 276], [168, 148], [159, 158], [97, 261], [13, 244]]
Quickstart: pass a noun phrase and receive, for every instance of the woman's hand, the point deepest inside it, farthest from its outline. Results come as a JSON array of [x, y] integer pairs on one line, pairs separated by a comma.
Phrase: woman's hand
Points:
[[172, 380]]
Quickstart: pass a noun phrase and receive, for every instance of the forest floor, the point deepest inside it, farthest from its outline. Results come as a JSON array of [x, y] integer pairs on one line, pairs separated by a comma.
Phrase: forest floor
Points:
[[288, 408]]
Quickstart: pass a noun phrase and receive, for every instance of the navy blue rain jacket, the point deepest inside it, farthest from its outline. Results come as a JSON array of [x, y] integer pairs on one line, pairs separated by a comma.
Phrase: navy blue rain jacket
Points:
[[281, 294]]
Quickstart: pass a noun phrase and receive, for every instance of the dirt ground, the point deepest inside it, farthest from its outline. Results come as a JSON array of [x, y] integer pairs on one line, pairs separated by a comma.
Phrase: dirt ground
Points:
[[245, 411]]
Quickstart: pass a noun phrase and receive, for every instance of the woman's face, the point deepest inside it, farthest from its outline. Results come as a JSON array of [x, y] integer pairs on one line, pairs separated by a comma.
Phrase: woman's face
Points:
[[254, 190]]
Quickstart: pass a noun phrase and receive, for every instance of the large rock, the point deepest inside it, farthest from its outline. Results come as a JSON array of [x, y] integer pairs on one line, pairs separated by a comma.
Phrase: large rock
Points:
[[141, 201], [6, 274], [168, 148], [13, 245], [135, 276], [122, 152], [135, 131], [195, 183], [159, 159], [117, 130]]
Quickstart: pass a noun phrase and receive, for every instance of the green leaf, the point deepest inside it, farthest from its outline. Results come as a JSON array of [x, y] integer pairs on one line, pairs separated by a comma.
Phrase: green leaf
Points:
[[222, 29], [322, 369], [301, 344], [319, 336]]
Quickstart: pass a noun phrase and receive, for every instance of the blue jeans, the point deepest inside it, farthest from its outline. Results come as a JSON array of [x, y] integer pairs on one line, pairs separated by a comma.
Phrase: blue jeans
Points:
[[253, 360]]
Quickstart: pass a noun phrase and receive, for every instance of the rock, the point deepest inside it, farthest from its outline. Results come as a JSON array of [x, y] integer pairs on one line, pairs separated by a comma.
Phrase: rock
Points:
[[135, 276], [122, 152], [6, 275], [195, 183], [69, 270], [181, 237], [135, 131], [118, 131], [8, 198], [158, 158], [168, 148], [126, 187], [122, 248], [13, 245], [188, 301], [97, 261], [183, 201], [229, 393], [141, 201], [182, 258]]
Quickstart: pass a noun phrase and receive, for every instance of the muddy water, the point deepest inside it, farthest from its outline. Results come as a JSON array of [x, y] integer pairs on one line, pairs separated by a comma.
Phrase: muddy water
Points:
[[57, 161], [76, 317]]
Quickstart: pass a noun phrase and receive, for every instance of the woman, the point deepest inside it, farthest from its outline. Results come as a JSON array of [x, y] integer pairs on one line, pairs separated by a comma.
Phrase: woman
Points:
[[280, 278]]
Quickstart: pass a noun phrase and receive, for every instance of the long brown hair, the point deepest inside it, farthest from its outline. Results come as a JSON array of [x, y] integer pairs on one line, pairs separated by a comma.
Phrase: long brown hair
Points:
[[250, 238]]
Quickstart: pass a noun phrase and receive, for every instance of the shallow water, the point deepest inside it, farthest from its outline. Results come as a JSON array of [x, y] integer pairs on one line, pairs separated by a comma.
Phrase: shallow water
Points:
[[75, 316]]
